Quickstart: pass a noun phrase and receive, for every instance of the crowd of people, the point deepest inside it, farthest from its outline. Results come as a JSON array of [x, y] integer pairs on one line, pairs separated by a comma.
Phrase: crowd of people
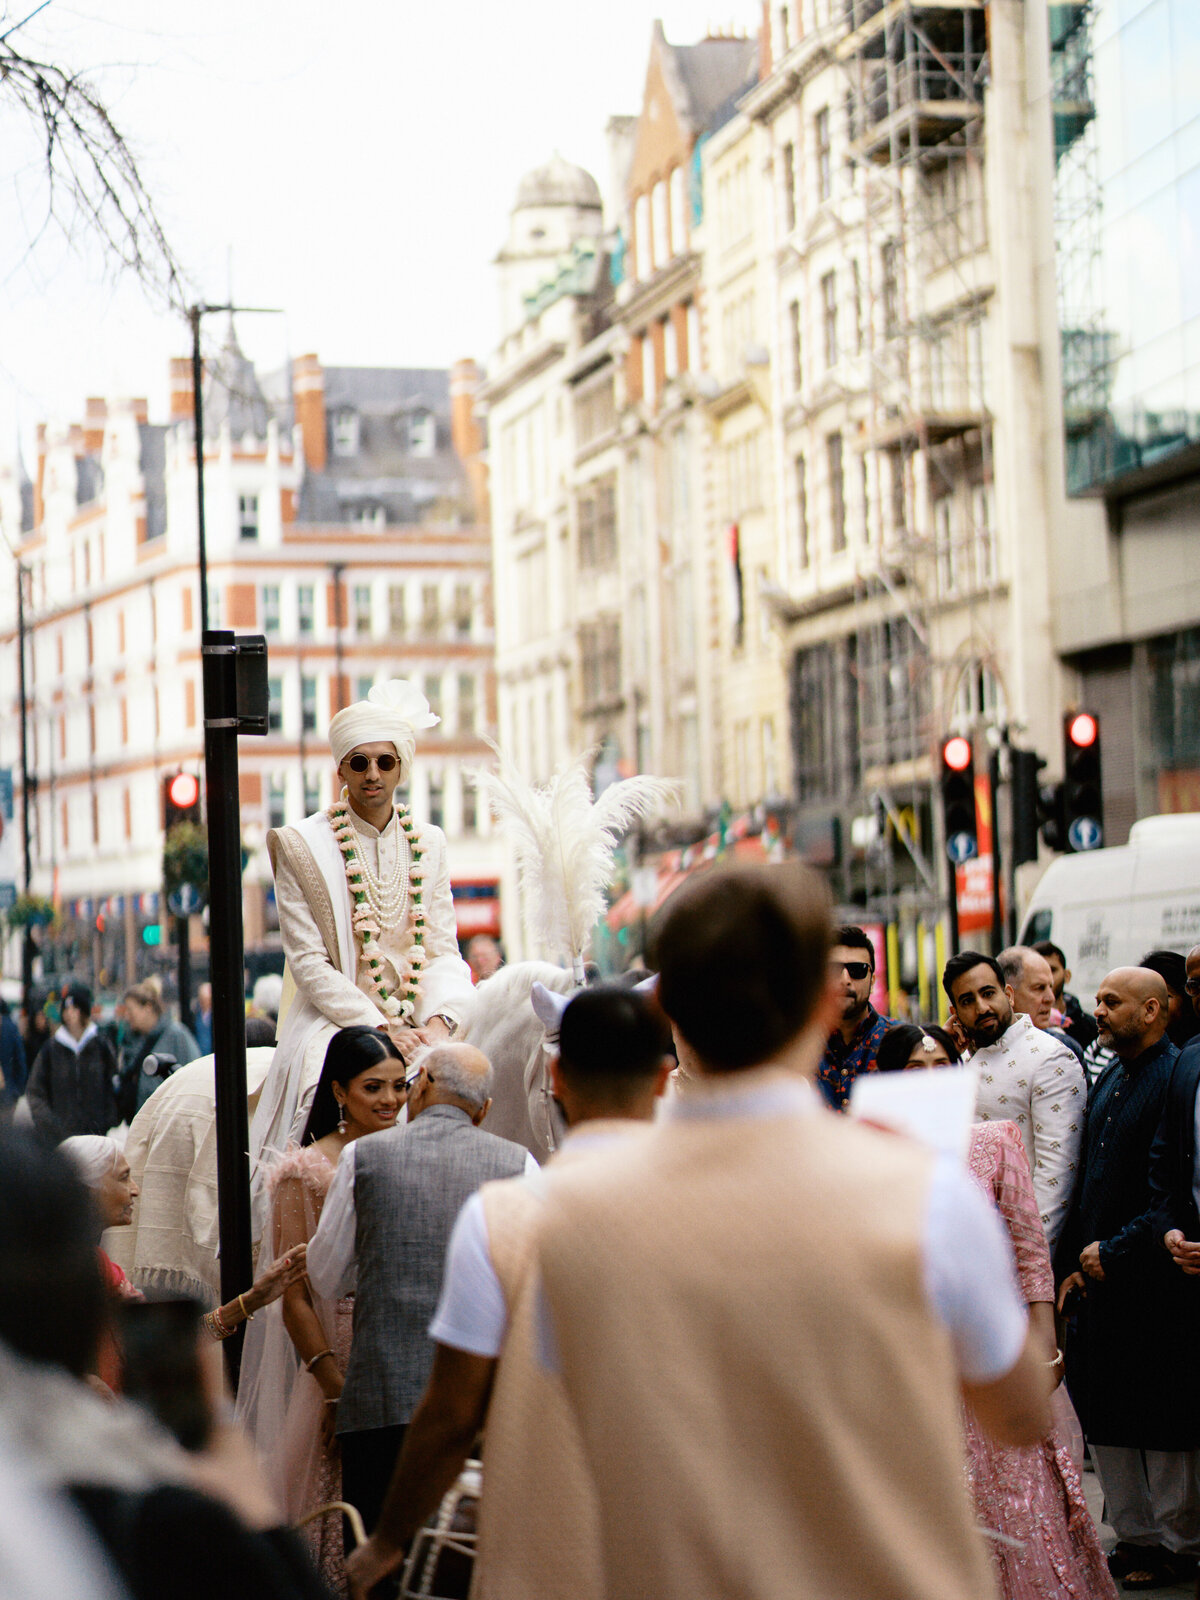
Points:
[[727, 1337]]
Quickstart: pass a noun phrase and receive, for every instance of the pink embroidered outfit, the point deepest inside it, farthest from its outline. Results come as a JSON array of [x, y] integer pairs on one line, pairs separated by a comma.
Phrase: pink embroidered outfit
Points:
[[278, 1400], [1032, 1494]]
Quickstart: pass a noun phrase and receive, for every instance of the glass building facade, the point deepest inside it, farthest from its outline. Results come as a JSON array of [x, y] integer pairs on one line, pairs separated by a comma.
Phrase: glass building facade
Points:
[[1126, 77]]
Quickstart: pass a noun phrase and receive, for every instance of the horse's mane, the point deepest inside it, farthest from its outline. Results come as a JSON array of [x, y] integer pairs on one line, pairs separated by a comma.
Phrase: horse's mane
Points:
[[502, 1023]]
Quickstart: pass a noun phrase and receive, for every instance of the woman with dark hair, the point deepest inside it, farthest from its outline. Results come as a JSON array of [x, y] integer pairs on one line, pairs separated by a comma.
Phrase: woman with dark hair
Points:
[[296, 1356], [1031, 1495]]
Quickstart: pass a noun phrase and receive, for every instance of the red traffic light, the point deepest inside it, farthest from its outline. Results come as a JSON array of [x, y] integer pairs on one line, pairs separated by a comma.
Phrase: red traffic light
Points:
[[183, 791], [1082, 730], [957, 753]]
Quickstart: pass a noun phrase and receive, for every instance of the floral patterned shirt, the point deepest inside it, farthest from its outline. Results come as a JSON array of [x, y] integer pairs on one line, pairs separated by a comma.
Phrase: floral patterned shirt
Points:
[[843, 1062]]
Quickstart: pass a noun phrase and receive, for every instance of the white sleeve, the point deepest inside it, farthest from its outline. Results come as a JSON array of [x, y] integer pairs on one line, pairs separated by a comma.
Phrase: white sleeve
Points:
[[531, 1164], [970, 1276], [317, 979], [471, 1314], [1058, 1098], [331, 1262], [446, 983]]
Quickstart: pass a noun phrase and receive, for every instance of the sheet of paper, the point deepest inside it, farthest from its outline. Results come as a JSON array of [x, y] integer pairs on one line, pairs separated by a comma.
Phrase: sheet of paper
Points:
[[935, 1105]]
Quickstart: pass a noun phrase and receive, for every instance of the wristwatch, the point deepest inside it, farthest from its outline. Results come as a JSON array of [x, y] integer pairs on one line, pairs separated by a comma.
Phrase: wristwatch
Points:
[[451, 1023]]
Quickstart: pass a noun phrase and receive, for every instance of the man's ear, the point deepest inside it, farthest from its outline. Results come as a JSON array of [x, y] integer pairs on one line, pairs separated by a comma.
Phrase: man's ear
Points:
[[828, 1013], [666, 1068], [1011, 993], [1066, 977], [482, 1112]]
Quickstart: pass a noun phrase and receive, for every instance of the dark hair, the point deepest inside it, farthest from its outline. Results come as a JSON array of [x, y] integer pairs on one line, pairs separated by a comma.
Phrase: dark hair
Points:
[[899, 1042], [78, 994], [52, 1296], [1047, 948], [963, 962], [854, 939], [351, 1052], [1170, 966], [741, 954], [610, 1042], [259, 1031]]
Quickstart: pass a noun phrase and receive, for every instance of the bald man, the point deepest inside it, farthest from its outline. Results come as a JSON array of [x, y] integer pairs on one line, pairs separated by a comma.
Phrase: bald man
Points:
[[1130, 1345], [383, 1235]]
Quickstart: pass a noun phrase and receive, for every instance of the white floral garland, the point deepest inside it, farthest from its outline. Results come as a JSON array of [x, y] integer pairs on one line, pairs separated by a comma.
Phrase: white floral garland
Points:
[[363, 917]]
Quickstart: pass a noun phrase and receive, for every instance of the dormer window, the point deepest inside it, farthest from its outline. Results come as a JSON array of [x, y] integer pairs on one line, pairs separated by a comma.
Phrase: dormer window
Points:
[[345, 433], [422, 433], [248, 517]]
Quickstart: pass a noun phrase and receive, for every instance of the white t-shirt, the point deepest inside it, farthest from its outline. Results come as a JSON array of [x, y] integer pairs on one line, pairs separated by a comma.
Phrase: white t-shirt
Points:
[[970, 1276]]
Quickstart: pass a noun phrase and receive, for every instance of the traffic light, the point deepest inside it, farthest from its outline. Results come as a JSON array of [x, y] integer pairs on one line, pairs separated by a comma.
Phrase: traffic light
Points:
[[1026, 804], [181, 799], [1083, 802], [958, 799]]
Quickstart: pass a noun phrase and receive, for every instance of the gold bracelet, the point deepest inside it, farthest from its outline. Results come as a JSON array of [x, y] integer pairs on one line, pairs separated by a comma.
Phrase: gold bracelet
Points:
[[249, 1315], [320, 1356], [1058, 1359]]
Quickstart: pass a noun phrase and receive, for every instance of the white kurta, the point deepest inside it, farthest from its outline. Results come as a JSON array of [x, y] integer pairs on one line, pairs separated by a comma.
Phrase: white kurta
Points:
[[329, 997]]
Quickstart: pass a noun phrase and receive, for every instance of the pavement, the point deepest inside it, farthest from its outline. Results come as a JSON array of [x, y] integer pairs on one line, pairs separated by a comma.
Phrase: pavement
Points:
[[1108, 1538]]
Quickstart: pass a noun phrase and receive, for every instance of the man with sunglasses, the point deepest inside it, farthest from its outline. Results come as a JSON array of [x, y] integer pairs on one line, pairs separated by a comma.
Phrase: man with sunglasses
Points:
[[854, 1044], [365, 915]]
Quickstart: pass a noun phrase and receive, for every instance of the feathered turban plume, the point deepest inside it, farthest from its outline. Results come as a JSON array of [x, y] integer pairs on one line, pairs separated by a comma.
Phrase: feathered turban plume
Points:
[[564, 842]]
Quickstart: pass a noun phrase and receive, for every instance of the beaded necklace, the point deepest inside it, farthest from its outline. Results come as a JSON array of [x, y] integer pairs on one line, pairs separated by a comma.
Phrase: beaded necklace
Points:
[[378, 902]]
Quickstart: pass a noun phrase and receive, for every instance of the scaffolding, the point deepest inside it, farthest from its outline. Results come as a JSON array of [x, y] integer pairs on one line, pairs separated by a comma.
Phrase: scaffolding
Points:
[[916, 72]]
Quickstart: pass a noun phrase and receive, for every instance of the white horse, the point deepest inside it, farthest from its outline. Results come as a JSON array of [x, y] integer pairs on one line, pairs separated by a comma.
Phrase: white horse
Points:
[[503, 1024]]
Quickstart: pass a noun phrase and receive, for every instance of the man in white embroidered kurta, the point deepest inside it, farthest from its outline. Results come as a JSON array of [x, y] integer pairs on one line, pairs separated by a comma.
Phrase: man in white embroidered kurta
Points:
[[331, 983], [1026, 1076]]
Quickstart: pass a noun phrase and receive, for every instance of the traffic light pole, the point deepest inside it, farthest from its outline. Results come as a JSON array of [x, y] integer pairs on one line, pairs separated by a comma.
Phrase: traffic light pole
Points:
[[183, 936], [227, 956]]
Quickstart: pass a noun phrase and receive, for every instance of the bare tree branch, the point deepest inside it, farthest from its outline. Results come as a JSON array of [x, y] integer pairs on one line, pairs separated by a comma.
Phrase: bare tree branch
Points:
[[91, 173]]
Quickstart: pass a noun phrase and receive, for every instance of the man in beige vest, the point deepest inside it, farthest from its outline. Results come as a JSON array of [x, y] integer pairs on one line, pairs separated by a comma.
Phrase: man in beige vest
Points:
[[765, 1316], [538, 1529]]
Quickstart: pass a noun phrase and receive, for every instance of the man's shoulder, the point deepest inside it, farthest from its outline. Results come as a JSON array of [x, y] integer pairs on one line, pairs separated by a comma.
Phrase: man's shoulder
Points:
[[431, 837]]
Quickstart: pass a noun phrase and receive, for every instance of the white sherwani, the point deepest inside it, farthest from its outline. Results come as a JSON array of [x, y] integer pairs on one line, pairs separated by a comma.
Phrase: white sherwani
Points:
[[329, 988]]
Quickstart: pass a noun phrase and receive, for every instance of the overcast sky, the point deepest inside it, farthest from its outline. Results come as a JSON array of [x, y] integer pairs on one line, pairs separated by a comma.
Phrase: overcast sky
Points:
[[354, 160]]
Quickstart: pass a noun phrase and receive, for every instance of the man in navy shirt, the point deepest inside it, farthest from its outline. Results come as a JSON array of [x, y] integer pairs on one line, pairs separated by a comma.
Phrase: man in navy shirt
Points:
[[854, 1043]]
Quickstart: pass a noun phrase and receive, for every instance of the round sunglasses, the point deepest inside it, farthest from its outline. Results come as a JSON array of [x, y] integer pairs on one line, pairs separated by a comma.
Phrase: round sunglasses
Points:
[[385, 763]]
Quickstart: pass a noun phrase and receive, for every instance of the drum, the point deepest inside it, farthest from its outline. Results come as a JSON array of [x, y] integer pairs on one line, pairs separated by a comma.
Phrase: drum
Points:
[[442, 1559]]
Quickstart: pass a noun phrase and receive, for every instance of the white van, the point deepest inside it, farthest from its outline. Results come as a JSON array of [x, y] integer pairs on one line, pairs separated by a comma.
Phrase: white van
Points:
[[1109, 908]]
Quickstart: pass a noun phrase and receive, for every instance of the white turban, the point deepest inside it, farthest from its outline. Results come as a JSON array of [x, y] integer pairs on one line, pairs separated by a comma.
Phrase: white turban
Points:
[[93, 1156], [391, 713]]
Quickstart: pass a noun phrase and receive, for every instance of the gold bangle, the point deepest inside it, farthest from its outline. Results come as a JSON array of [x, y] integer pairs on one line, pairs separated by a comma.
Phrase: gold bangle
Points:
[[1058, 1359], [320, 1356], [249, 1315]]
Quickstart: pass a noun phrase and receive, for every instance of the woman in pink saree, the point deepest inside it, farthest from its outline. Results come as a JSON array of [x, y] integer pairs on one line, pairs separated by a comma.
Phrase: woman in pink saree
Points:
[[1032, 1497], [295, 1361]]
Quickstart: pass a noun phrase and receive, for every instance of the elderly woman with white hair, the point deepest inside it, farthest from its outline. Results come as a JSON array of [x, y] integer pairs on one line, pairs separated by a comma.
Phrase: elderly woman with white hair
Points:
[[365, 915], [102, 1165]]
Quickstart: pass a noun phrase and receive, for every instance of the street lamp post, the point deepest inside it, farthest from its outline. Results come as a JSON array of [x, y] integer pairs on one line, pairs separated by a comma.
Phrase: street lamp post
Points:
[[27, 931]]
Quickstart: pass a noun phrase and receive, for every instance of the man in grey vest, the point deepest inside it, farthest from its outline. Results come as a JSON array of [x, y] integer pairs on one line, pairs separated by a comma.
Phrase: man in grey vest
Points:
[[386, 1223]]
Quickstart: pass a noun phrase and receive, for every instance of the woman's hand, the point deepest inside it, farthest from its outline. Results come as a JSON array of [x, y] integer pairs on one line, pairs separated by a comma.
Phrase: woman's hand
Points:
[[329, 1409], [280, 1275]]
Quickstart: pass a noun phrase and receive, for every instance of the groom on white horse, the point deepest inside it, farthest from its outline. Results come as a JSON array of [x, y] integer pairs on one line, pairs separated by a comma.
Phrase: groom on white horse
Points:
[[365, 915]]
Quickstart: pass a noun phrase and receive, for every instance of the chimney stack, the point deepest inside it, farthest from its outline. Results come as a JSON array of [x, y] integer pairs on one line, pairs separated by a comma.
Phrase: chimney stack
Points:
[[308, 393], [467, 435]]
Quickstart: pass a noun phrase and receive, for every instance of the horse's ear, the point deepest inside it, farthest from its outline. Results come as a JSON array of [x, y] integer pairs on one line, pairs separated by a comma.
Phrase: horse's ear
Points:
[[548, 1005]]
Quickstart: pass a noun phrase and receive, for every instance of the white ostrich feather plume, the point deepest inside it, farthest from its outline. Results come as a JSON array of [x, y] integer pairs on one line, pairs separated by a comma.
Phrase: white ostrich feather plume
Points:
[[564, 842]]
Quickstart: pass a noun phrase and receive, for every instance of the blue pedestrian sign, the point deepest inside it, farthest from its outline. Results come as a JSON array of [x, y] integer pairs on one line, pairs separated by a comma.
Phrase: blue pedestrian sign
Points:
[[961, 847], [1085, 833], [185, 901]]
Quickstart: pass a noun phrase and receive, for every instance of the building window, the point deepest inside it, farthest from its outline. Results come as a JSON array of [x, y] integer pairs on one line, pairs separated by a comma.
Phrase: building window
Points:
[[431, 610], [308, 705], [470, 808], [643, 255], [247, 516], [837, 491], [422, 433], [365, 684], [276, 801], [824, 144], [829, 317], [803, 552], [856, 274], [345, 433], [600, 660], [679, 231], [598, 524], [985, 538], [659, 224], [796, 326], [890, 264], [362, 610], [312, 793], [789, 187], [306, 607], [396, 610], [466, 702], [437, 800], [670, 348], [692, 359], [214, 609], [270, 608], [649, 386], [464, 609], [433, 692], [865, 485], [274, 705]]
